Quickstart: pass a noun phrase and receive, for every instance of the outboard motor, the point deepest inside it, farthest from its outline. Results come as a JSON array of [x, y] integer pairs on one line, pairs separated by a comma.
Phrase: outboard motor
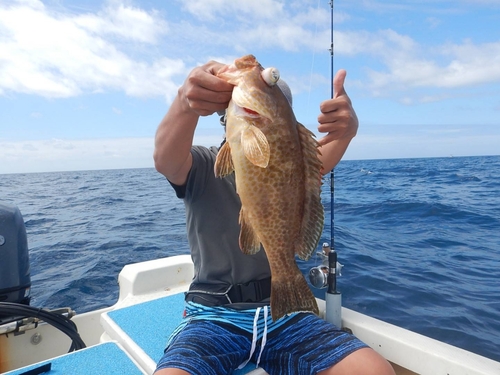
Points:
[[15, 280], [15, 285]]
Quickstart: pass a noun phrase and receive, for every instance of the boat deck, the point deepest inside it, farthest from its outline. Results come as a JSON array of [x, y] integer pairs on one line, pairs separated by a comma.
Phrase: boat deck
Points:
[[106, 358], [129, 337], [136, 337]]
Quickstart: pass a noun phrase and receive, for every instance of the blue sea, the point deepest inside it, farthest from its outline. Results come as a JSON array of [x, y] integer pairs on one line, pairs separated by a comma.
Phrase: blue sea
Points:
[[419, 239]]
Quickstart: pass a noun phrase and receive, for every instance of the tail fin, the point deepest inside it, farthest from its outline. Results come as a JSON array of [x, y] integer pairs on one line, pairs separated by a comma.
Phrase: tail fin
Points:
[[291, 295]]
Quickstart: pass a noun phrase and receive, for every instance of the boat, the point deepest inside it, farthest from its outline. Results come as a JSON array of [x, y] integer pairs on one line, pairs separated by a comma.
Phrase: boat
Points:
[[129, 337]]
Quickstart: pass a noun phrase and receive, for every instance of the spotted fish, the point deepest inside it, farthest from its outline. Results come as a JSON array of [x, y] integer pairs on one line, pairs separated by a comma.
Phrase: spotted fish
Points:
[[278, 179]]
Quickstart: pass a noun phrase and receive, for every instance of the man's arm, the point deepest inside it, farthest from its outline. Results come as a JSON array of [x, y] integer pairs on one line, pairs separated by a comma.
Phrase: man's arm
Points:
[[202, 94], [339, 120]]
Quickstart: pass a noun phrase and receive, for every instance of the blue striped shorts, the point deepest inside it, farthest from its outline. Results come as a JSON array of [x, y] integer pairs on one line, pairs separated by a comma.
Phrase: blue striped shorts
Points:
[[209, 342]]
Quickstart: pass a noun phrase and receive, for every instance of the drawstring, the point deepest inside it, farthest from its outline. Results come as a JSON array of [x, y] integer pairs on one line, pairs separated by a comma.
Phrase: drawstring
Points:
[[254, 337], [264, 336]]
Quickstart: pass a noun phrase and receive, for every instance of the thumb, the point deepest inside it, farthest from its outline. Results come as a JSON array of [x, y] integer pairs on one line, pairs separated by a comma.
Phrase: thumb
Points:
[[338, 83]]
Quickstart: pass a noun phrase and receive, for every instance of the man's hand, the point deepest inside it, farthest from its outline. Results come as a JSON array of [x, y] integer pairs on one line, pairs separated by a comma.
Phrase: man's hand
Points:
[[203, 93], [337, 117]]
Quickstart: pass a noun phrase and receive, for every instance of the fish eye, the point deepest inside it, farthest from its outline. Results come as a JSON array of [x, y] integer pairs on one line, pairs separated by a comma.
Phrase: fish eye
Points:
[[270, 76]]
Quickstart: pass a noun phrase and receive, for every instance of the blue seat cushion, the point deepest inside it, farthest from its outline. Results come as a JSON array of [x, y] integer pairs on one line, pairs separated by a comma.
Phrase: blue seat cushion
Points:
[[107, 358]]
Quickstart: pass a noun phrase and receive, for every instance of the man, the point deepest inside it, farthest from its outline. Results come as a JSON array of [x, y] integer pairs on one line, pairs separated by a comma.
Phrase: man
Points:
[[227, 321]]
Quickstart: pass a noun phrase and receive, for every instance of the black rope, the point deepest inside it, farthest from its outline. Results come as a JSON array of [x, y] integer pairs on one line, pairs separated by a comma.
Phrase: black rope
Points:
[[58, 321]]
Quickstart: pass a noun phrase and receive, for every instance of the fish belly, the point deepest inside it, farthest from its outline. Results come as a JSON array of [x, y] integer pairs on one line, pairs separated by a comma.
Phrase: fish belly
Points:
[[272, 204]]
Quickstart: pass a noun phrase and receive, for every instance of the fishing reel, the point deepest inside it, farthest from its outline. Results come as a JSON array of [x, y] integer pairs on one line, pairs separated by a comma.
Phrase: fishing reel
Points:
[[325, 276], [319, 276]]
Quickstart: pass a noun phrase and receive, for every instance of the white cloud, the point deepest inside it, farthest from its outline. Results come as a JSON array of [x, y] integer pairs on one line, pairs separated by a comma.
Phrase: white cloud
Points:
[[433, 22], [210, 9], [388, 142], [407, 65], [124, 21], [259, 24], [53, 54], [472, 64], [62, 154], [372, 142], [56, 55], [435, 6], [53, 155]]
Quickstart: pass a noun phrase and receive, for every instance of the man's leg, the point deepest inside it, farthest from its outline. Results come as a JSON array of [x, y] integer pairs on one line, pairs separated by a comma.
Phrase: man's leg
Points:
[[365, 361], [204, 347]]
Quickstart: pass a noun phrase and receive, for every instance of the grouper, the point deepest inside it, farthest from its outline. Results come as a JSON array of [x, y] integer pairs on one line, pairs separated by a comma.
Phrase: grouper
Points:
[[278, 179]]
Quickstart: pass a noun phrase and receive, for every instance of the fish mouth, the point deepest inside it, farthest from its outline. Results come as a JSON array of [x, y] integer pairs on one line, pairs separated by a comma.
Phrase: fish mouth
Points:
[[231, 74], [246, 106], [251, 112], [244, 111]]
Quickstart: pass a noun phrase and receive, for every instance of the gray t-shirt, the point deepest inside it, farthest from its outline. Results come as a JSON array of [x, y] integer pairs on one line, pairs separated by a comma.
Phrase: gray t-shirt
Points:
[[212, 214]]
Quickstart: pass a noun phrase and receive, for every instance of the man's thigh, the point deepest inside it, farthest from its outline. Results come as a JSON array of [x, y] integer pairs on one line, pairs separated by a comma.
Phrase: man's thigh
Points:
[[207, 348]]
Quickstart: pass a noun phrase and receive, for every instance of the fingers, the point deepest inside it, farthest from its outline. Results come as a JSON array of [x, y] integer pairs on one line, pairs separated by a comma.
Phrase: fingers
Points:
[[333, 111], [338, 83], [205, 102], [340, 97], [204, 92], [336, 126], [211, 81], [337, 118]]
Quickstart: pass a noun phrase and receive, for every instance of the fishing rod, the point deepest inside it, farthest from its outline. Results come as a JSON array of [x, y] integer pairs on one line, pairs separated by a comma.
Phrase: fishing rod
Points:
[[326, 275], [333, 296], [332, 174]]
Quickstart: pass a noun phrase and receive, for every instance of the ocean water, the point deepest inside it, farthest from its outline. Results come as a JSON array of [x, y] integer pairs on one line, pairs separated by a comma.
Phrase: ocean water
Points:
[[419, 239]]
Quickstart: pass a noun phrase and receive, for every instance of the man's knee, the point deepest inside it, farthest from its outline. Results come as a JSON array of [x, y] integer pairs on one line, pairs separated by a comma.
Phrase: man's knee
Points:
[[364, 361]]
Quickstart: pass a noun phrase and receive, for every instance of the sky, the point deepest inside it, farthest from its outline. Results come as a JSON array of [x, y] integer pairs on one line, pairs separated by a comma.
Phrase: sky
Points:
[[84, 84]]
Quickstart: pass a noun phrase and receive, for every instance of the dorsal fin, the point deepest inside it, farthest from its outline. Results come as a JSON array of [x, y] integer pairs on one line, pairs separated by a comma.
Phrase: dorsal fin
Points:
[[313, 216]]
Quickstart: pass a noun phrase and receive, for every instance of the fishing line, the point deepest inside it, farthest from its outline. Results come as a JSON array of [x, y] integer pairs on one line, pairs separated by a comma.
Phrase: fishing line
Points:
[[332, 93], [313, 59]]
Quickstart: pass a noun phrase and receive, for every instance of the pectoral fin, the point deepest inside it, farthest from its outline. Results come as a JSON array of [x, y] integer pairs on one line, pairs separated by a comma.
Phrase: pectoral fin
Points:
[[255, 146], [224, 162]]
